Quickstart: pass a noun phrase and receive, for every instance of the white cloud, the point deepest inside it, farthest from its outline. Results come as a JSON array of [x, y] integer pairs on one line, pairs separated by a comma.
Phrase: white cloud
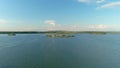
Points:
[[110, 5], [51, 22], [100, 1], [91, 1], [84, 1]]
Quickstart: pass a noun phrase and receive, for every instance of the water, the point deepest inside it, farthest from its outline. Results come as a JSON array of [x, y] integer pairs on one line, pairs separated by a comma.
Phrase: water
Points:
[[40, 51]]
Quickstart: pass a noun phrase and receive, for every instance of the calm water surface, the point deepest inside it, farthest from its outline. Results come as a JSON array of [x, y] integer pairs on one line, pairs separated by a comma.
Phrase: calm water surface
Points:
[[39, 51]]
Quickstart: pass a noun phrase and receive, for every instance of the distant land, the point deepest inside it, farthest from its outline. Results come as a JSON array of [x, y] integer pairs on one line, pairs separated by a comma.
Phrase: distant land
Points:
[[59, 32]]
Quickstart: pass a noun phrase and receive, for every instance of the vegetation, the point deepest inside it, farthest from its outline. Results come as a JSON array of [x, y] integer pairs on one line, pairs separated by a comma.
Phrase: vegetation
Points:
[[59, 35], [11, 34]]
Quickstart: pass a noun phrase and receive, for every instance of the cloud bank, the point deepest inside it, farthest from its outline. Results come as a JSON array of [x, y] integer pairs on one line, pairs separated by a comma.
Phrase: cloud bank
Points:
[[53, 25], [3, 21], [101, 26]]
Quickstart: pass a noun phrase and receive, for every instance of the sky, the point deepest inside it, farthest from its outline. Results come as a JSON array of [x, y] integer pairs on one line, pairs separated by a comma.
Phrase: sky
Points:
[[71, 15]]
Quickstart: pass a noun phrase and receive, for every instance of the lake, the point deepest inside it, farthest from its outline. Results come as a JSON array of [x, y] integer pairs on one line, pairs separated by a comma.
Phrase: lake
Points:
[[78, 51]]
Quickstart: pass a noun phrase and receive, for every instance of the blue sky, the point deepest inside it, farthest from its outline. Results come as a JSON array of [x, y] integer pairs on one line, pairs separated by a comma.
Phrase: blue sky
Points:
[[77, 15]]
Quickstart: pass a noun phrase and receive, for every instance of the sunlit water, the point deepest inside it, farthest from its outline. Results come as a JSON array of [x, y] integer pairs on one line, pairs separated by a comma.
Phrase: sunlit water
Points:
[[39, 51]]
